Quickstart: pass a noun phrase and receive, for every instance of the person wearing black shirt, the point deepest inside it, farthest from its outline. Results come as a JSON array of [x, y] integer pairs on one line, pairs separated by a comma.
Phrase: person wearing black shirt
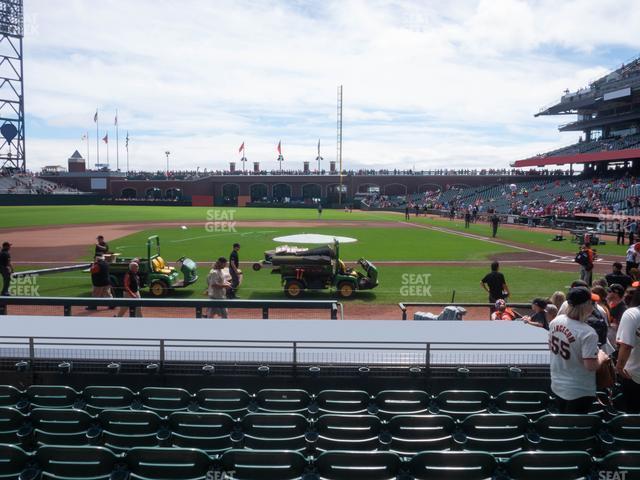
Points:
[[406, 212], [495, 220], [234, 271], [6, 269], [102, 247], [539, 317], [617, 276], [617, 306], [495, 285], [467, 218]]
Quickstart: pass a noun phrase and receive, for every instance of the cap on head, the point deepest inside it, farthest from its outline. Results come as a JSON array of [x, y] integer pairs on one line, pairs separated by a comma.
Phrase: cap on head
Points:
[[6, 244], [500, 303], [578, 296], [617, 289], [539, 302]]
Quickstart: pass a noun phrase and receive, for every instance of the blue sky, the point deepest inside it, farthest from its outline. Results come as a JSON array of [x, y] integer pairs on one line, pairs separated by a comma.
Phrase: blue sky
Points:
[[428, 84]]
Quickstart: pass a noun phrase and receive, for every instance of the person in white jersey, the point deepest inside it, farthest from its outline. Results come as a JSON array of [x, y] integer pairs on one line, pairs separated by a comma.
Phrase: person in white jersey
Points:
[[575, 356], [628, 365]]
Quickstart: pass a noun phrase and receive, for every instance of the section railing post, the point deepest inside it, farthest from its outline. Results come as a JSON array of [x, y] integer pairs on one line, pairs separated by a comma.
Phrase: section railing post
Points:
[[161, 354], [295, 355], [32, 350], [427, 358], [265, 313]]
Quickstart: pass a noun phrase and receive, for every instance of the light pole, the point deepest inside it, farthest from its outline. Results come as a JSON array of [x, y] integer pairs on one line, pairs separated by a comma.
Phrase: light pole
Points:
[[167, 153]]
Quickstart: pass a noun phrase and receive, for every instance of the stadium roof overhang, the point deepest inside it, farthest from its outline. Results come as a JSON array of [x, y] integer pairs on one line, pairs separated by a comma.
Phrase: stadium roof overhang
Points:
[[606, 156]]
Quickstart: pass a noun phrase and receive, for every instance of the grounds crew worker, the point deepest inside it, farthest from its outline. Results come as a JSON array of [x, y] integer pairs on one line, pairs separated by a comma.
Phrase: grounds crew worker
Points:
[[234, 271], [6, 269], [100, 280], [102, 247]]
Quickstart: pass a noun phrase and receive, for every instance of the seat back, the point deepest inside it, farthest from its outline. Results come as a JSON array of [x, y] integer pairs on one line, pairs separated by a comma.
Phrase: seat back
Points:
[[11, 420], [461, 403], [76, 462], [627, 462], [265, 464], [165, 400], [400, 402], [552, 465], [495, 426], [129, 422], [98, 398], [10, 396], [206, 431], [531, 403], [568, 432], [13, 460], [51, 396], [625, 426], [433, 465], [285, 431], [345, 465], [56, 420], [348, 402], [348, 432], [152, 463], [411, 434], [235, 402], [282, 400]]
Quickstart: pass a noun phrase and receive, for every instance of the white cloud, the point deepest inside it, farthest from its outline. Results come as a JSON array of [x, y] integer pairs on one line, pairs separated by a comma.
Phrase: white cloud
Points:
[[426, 83]]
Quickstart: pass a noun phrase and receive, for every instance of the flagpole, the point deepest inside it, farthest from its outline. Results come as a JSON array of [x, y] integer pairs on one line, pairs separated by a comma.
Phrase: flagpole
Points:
[[107, 142], [88, 159], [97, 138], [127, 148], [117, 144]]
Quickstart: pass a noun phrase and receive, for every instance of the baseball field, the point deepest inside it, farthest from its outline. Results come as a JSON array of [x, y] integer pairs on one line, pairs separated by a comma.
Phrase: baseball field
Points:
[[423, 259]]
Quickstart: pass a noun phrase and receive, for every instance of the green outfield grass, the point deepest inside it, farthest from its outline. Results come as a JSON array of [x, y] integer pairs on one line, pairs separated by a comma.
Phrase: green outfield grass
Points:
[[27, 216], [381, 244]]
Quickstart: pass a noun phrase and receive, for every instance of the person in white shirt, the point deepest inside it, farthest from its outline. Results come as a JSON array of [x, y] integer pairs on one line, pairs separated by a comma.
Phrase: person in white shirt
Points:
[[628, 364], [217, 287], [632, 257], [575, 356]]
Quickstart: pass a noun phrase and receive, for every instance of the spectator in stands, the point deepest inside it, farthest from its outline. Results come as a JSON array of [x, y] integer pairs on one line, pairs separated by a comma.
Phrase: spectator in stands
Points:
[[6, 269], [628, 364], [131, 288], [617, 276], [503, 312], [539, 318], [633, 253], [217, 286], [100, 280], [575, 355], [550, 312], [102, 247], [495, 285], [558, 298], [597, 318], [617, 307]]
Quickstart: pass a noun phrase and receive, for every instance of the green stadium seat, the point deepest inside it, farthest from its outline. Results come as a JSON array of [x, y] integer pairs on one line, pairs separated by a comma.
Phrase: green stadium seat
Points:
[[206, 431], [235, 402], [263, 465], [389, 403], [346, 402], [358, 465], [51, 396], [533, 404], [13, 425], [552, 465], [623, 433], [566, 432], [411, 434], [76, 463], [10, 396], [347, 432], [432, 465], [165, 400], [281, 400], [168, 463], [125, 429], [461, 403], [53, 426], [499, 434], [626, 464], [97, 398], [279, 431], [13, 462]]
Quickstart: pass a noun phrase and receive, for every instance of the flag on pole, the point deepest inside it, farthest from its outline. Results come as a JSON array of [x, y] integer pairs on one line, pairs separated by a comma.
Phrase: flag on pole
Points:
[[116, 120], [241, 149], [106, 138], [318, 147], [84, 137], [95, 117], [280, 147], [126, 142]]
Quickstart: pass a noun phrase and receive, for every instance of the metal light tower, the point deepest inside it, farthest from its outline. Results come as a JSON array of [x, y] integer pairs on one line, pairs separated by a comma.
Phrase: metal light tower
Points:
[[167, 153], [339, 143], [12, 148]]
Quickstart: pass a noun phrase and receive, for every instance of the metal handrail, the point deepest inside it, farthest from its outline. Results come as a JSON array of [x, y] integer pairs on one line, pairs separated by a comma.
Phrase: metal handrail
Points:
[[335, 308]]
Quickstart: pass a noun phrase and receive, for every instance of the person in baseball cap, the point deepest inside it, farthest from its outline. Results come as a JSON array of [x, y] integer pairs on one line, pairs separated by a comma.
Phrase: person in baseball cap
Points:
[[6, 269]]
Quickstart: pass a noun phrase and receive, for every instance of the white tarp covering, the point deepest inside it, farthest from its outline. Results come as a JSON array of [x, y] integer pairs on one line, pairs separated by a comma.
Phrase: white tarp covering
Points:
[[313, 238]]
